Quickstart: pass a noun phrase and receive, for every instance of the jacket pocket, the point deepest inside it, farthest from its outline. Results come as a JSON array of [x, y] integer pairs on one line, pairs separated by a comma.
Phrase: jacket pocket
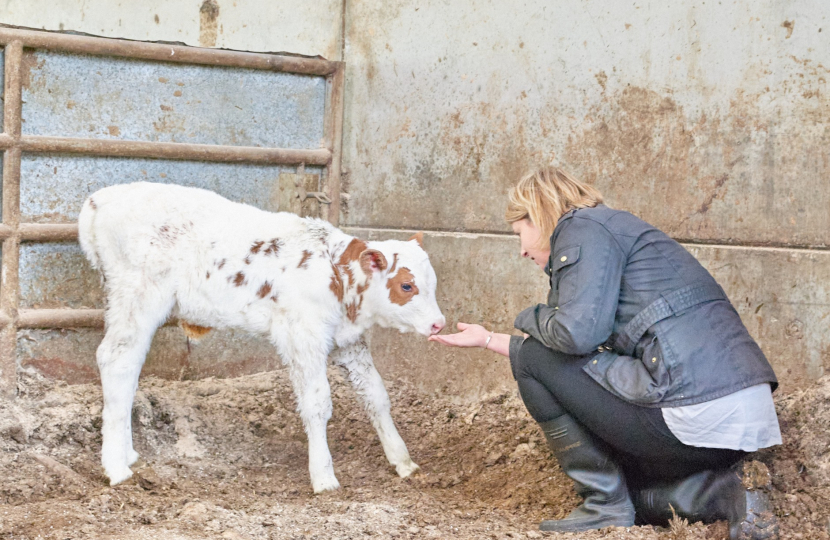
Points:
[[641, 380], [562, 265]]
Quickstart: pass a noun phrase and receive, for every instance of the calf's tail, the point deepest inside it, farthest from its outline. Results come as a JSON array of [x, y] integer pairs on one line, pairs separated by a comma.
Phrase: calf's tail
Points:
[[86, 231]]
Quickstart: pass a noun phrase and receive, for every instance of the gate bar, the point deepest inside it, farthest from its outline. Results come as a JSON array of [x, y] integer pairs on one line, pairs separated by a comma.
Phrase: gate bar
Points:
[[334, 139], [166, 53], [9, 278], [171, 150], [60, 318]]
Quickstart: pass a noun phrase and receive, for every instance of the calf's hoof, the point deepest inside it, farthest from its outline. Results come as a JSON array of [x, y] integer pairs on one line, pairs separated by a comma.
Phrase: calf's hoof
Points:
[[118, 476], [406, 468], [327, 484]]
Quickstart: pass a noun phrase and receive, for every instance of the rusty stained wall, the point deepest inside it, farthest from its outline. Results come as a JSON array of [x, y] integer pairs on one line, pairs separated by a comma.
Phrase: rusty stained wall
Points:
[[307, 28], [708, 120]]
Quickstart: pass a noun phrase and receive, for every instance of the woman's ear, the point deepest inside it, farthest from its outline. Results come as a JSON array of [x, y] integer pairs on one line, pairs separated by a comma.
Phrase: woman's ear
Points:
[[372, 260]]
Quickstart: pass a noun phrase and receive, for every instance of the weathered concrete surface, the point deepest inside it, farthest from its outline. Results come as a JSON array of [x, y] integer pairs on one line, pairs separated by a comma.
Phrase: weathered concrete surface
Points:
[[708, 120], [69, 355], [71, 95], [308, 28], [783, 297]]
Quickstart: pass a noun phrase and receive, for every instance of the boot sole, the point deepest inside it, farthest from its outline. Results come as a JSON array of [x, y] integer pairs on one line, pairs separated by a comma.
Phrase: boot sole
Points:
[[566, 525], [760, 522]]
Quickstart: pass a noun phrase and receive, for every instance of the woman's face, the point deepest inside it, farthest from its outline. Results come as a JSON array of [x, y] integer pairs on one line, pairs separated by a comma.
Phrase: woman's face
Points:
[[529, 236]]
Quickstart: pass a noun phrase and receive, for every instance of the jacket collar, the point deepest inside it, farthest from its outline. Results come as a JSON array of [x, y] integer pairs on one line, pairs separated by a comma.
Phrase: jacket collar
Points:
[[566, 216]]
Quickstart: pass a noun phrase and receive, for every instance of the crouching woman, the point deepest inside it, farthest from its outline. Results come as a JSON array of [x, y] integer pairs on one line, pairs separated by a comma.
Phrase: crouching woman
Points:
[[645, 382]]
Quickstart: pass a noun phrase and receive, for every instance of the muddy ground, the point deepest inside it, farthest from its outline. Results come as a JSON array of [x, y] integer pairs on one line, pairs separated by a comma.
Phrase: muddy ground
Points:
[[227, 459]]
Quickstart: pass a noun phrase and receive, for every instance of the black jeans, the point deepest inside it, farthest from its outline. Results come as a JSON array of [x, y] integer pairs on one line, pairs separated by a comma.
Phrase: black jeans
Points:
[[552, 383]]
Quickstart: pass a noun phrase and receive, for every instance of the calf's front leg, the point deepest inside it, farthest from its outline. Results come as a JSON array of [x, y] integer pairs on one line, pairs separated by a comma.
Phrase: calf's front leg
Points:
[[360, 369]]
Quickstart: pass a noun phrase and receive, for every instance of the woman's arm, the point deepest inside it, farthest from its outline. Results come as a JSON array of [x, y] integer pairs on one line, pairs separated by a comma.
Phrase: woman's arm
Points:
[[589, 290], [474, 335]]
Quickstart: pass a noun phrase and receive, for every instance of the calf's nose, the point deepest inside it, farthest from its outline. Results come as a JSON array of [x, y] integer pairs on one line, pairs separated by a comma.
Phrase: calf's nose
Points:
[[437, 327]]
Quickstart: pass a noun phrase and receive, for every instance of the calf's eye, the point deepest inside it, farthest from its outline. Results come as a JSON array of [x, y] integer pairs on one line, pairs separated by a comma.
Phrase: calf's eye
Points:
[[406, 287]]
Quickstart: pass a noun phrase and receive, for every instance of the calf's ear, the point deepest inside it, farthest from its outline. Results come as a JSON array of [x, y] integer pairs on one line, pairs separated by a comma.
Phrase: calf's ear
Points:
[[372, 260], [418, 237]]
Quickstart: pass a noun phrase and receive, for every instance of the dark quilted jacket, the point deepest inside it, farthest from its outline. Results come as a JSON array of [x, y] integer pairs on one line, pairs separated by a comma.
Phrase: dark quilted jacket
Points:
[[652, 324]]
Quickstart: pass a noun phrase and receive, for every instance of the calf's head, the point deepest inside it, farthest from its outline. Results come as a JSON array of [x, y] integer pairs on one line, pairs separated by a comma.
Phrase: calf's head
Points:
[[404, 286]]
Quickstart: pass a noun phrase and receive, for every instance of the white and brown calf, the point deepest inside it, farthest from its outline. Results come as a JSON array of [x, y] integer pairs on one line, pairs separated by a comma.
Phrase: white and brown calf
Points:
[[310, 288]]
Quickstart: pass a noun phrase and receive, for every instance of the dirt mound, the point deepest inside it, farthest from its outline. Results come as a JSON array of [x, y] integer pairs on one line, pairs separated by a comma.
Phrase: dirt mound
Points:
[[227, 459]]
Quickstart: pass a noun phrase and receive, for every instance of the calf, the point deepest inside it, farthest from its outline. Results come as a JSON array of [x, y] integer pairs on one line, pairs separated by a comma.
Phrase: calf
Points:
[[310, 288]]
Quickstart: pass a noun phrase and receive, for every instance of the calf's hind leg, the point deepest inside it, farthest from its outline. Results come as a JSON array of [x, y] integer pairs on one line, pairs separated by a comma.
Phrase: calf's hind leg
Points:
[[356, 360]]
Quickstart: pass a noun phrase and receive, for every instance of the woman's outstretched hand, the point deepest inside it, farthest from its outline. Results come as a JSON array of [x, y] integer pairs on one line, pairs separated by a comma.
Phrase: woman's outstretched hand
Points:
[[469, 335], [475, 335]]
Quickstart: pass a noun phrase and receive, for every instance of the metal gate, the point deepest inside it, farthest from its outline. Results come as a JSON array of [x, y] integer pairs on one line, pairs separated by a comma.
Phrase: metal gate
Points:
[[83, 112]]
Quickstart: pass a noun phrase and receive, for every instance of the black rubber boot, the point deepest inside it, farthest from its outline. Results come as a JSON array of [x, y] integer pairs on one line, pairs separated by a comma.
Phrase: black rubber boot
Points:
[[598, 479], [737, 495]]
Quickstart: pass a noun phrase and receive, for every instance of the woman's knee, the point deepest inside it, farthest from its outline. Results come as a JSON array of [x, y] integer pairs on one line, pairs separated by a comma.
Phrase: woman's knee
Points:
[[539, 400], [528, 358]]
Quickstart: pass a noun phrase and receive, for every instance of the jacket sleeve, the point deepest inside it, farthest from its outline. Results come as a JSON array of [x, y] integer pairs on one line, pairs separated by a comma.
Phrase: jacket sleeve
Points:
[[589, 290]]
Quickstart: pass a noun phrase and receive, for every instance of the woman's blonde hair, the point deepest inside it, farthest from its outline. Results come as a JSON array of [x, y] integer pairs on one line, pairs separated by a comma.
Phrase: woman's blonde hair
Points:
[[545, 195]]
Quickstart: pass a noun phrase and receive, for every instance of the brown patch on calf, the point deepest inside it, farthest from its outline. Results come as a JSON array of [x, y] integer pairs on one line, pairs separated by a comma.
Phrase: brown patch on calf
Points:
[[238, 279], [304, 261], [247, 260], [256, 246], [273, 247], [264, 290], [274, 297], [352, 252], [342, 271], [347, 270], [349, 255], [394, 263], [353, 309], [336, 285], [194, 331], [395, 285], [168, 235], [319, 232], [221, 264], [207, 275]]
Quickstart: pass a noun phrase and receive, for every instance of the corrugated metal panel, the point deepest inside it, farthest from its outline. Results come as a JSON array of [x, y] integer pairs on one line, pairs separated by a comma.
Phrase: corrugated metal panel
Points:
[[55, 186], [116, 98], [241, 130]]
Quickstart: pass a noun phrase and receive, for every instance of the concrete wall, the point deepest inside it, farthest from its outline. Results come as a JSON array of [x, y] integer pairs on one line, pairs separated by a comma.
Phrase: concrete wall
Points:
[[707, 119], [307, 28]]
